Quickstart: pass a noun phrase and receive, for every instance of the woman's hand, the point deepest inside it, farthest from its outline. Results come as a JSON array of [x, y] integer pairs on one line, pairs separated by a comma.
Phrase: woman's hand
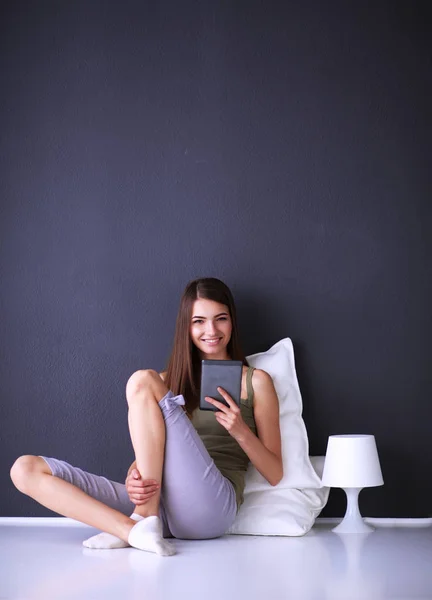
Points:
[[229, 416], [140, 491]]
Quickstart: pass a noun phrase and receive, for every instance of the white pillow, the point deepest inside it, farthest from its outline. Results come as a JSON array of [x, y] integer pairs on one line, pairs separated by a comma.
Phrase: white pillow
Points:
[[289, 508]]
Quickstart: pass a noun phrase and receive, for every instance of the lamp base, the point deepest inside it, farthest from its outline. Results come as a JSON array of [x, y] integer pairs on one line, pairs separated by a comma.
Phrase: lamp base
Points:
[[353, 521]]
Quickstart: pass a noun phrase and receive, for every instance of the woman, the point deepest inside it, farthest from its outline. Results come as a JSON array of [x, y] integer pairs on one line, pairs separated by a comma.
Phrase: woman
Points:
[[188, 477]]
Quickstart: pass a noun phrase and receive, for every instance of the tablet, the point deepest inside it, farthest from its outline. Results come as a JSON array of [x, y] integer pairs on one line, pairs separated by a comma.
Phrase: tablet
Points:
[[226, 374]]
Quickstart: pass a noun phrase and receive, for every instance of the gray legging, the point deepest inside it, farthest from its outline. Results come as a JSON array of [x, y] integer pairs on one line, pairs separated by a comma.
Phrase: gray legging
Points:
[[197, 501]]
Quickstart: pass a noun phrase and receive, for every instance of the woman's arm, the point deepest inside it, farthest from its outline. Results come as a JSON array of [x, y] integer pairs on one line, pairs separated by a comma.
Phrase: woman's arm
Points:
[[264, 451]]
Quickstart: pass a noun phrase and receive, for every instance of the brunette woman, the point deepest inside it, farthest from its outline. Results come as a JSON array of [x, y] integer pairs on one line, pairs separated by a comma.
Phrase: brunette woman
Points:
[[188, 477]]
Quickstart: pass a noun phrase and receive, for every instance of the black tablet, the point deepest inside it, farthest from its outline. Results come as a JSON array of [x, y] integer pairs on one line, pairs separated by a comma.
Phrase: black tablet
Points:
[[226, 374]]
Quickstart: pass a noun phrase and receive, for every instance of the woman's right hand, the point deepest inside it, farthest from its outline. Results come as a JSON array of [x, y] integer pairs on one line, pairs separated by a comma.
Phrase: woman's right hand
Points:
[[140, 491]]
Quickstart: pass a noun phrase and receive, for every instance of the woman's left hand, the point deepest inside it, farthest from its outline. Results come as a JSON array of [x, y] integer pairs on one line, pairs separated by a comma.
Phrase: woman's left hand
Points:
[[229, 416]]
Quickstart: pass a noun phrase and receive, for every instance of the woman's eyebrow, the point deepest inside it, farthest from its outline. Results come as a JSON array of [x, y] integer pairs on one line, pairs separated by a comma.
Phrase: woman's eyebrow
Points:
[[219, 315]]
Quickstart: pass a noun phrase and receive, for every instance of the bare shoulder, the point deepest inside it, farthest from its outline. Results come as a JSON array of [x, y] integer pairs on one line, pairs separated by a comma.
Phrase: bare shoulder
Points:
[[163, 375], [262, 381], [266, 408], [264, 390]]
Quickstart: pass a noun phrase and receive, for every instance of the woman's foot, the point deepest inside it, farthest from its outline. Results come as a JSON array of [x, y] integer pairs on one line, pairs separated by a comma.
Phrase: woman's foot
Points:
[[147, 535], [107, 541]]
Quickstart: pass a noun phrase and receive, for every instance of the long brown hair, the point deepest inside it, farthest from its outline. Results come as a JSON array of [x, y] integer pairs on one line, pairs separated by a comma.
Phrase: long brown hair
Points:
[[184, 365]]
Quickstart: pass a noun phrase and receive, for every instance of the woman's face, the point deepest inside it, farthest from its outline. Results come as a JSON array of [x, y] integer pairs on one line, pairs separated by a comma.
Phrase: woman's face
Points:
[[211, 329]]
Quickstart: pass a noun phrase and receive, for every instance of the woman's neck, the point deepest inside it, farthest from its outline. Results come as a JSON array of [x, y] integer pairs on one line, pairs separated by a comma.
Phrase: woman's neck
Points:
[[221, 356]]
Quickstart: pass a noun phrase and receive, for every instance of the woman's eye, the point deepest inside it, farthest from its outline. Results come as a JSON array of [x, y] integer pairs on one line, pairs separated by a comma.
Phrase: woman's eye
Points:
[[201, 320]]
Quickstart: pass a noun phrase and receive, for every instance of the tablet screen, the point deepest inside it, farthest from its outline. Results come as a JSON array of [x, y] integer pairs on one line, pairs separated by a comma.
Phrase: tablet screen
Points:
[[226, 374]]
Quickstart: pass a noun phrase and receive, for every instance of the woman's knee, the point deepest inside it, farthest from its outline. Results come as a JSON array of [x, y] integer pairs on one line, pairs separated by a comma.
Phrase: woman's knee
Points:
[[140, 381], [25, 468]]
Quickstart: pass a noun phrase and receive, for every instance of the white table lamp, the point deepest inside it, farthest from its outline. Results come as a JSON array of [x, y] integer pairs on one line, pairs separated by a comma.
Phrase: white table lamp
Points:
[[352, 463]]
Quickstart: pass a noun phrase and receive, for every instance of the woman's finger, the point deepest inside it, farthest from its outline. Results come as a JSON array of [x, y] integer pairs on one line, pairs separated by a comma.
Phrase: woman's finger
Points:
[[233, 406], [218, 404], [138, 500], [142, 496], [222, 418], [139, 486], [135, 490], [146, 493], [142, 490], [139, 481]]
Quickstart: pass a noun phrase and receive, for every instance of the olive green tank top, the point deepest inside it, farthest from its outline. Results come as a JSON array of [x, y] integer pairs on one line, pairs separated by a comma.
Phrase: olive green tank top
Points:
[[228, 456]]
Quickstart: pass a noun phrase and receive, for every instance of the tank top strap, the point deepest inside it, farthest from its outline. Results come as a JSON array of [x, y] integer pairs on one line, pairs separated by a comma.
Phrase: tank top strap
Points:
[[250, 392]]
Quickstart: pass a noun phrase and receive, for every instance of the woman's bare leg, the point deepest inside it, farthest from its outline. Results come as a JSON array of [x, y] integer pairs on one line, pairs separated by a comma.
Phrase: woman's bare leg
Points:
[[144, 390], [32, 476]]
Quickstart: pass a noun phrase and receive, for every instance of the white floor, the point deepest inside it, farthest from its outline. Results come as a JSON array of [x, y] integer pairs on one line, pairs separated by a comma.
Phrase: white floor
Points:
[[43, 559]]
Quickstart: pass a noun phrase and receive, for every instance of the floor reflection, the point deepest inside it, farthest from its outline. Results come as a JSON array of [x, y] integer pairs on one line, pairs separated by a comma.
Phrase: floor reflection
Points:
[[349, 579]]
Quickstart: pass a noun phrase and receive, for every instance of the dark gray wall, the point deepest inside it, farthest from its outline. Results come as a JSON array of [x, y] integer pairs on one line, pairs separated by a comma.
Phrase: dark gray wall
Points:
[[283, 147]]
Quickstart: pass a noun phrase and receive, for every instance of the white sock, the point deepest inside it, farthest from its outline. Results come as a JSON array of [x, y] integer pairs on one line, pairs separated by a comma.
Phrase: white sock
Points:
[[107, 540], [147, 535]]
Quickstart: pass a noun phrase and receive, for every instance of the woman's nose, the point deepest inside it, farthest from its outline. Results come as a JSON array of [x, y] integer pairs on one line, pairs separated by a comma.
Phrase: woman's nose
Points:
[[210, 327]]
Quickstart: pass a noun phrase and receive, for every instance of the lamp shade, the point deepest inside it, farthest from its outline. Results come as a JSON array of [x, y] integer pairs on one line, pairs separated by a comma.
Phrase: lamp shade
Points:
[[352, 461]]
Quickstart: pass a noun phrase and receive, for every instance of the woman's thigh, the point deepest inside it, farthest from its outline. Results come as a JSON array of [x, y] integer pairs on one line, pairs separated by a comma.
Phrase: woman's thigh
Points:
[[197, 501]]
